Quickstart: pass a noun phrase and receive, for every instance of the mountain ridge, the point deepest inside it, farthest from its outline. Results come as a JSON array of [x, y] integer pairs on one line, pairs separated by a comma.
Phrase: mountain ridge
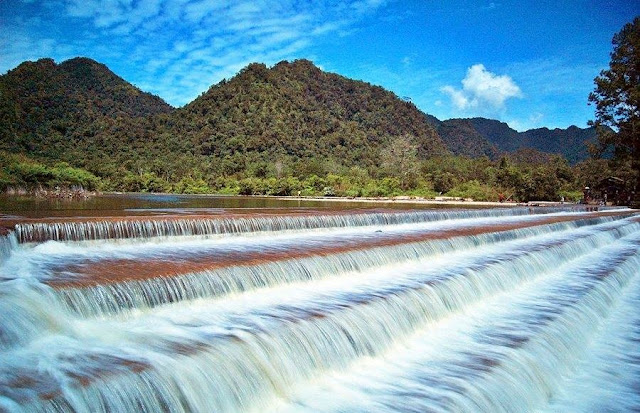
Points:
[[475, 137], [307, 112], [46, 107], [81, 112]]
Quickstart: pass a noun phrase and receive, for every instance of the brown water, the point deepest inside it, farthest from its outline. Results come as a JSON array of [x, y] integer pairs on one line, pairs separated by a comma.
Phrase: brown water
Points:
[[170, 204]]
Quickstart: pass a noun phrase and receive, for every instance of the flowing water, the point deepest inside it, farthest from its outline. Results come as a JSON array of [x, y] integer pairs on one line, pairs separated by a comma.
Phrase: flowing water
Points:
[[501, 310]]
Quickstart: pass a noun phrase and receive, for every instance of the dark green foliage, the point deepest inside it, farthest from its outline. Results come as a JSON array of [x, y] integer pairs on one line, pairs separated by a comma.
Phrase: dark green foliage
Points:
[[291, 120], [546, 181], [486, 180], [617, 99], [191, 185], [529, 156], [18, 171], [58, 111], [463, 139], [497, 133], [145, 182], [288, 130], [486, 137], [572, 143], [296, 112]]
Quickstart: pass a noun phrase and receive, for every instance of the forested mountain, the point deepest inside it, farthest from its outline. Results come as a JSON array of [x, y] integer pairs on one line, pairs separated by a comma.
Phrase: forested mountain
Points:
[[570, 142], [248, 133], [47, 108], [497, 133], [462, 138], [476, 137], [296, 110], [80, 112]]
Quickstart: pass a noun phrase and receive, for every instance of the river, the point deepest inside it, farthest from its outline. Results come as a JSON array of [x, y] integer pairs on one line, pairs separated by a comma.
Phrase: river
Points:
[[129, 303]]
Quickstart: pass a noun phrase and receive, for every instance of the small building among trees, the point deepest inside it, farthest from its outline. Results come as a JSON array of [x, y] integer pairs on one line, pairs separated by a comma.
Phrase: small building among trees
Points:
[[612, 190]]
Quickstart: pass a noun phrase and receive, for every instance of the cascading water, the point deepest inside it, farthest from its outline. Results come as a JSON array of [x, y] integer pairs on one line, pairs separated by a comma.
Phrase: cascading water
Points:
[[492, 310], [8, 243], [204, 226]]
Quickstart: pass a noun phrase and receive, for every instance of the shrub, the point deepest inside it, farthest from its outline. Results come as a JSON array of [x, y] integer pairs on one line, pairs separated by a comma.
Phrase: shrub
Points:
[[474, 190], [190, 185]]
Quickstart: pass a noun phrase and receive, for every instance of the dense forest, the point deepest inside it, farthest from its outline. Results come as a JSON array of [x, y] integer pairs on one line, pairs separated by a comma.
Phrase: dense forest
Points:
[[283, 130], [487, 137]]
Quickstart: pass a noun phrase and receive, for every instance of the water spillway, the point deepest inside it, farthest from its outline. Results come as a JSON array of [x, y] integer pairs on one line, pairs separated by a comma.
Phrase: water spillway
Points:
[[513, 310]]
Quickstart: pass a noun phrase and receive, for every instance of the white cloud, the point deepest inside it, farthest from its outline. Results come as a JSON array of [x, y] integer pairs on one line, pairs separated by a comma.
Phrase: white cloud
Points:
[[458, 97], [483, 90]]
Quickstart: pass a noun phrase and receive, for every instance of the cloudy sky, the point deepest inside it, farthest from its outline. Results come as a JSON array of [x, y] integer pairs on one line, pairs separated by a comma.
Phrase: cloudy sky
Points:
[[528, 63]]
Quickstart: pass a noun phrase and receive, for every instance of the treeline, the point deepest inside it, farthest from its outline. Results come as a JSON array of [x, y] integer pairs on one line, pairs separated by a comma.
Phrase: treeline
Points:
[[398, 174], [22, 172], [287, 130], [479, 179], [398, 170]]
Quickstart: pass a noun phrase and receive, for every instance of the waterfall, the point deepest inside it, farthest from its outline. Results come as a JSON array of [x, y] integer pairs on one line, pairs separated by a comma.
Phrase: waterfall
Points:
[[117, 297], [183, 226], [485, 310], [8, 243]]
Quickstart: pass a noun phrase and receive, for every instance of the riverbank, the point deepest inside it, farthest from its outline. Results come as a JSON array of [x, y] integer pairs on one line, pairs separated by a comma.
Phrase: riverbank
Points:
[[72, 193], [402, 200]]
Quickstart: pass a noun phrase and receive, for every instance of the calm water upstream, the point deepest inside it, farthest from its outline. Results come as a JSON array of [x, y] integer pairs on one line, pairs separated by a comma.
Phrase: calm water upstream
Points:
[[159, 204], [144, 303]]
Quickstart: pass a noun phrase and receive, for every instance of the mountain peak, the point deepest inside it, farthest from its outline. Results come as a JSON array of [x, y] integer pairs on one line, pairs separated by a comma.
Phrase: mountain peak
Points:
[[51, 103], [44, 64], [297, 109], [297, 63], [291, 111], [480, 136]]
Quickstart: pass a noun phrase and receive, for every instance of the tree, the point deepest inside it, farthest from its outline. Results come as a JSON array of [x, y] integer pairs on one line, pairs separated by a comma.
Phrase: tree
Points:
[[400, 159], [617, 100]]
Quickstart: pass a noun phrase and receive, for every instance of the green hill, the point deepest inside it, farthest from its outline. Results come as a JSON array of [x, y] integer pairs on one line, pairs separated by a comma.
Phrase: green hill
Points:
[[571, 143], [82, 113], [477, 137], [296, 111], [54, 111], [291, 127], [462, 138]]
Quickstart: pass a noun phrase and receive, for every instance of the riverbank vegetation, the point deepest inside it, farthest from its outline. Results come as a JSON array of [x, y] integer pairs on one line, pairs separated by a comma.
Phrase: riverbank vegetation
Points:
[[398, 174], [19, 172]]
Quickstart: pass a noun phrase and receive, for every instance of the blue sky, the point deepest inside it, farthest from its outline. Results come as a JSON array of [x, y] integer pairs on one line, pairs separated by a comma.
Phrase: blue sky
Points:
[[528, 63]]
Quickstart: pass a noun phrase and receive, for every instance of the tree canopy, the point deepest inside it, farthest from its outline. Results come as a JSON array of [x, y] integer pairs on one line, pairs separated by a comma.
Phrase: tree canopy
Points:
[[617, 100], [289, 129]]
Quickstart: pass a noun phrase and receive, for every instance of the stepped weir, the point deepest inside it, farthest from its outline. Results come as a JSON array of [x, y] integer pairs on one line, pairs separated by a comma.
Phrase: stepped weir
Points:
[[502, 310]]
